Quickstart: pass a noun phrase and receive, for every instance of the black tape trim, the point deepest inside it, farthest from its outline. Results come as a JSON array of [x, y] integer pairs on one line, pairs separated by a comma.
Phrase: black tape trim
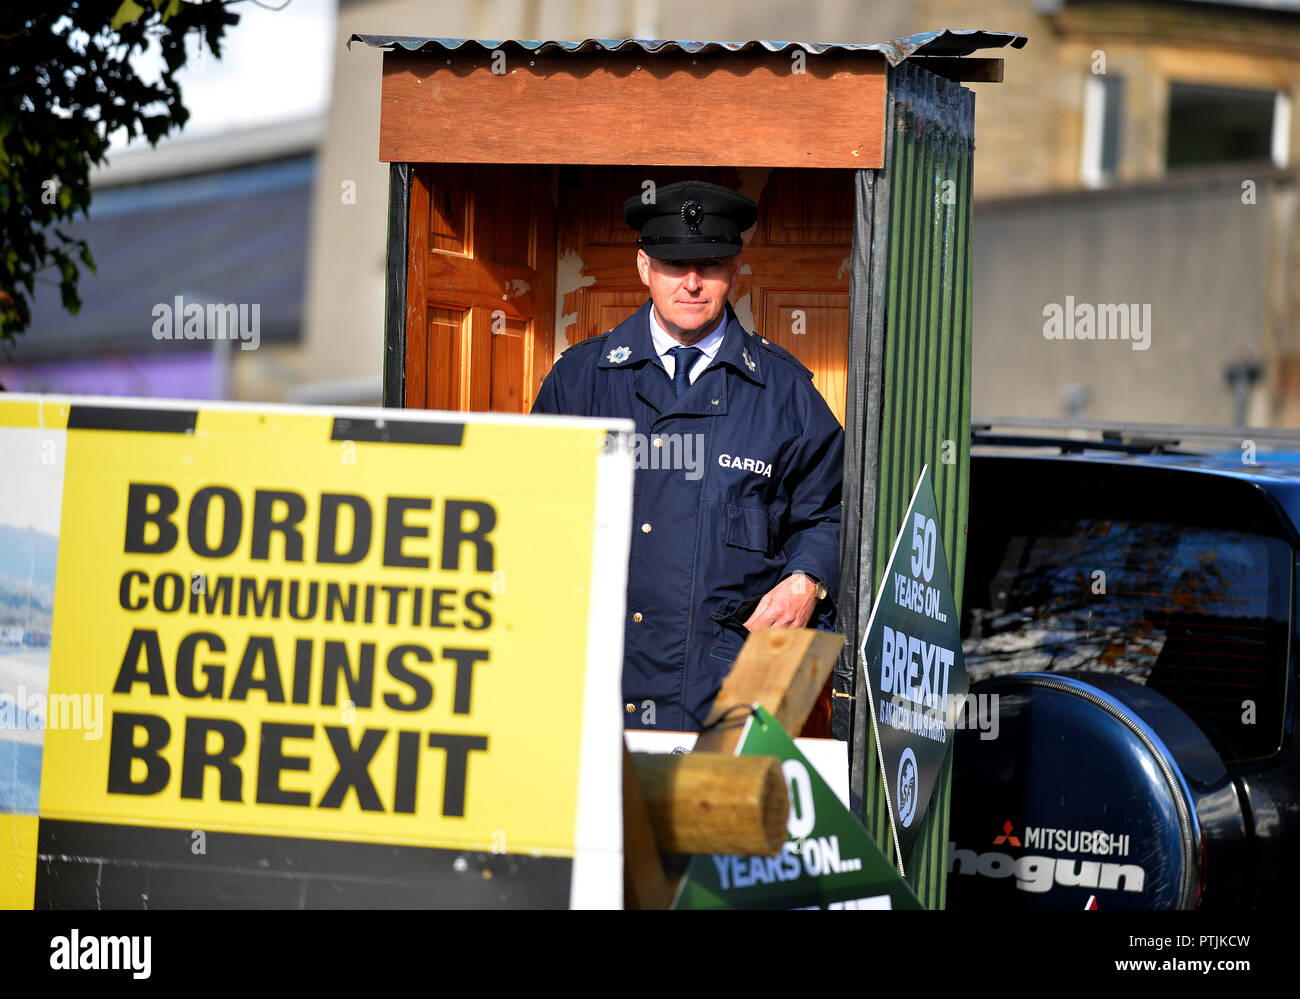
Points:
[[399, 432], [673, 240], [158, 421], [91, 865], [399, 211]]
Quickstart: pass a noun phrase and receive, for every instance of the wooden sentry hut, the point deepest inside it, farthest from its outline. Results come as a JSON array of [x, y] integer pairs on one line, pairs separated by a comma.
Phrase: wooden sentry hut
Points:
[[510, 162]]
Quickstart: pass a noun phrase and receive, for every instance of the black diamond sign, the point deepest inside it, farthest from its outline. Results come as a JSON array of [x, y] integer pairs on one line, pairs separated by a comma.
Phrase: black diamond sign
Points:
[[913, 664]]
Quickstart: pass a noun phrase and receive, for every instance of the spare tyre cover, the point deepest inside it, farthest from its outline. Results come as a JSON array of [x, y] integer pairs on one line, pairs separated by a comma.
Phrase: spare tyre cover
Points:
[[1076, 803]]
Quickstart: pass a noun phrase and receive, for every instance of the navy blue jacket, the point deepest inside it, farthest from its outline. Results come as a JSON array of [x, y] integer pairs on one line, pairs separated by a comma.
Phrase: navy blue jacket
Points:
[[752, 494]]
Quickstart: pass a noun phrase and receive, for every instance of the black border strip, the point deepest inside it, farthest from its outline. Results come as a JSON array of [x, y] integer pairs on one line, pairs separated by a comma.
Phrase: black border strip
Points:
[[398, 431], [859, 453], [160, 421], [92, 865]]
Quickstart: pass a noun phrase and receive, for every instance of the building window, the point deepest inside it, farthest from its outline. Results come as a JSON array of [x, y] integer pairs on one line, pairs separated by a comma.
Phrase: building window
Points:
[[1103, 105], [1221, 125]]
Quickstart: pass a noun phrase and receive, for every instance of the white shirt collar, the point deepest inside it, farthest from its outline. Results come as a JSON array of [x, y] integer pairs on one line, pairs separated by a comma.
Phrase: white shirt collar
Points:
[[664, 342]]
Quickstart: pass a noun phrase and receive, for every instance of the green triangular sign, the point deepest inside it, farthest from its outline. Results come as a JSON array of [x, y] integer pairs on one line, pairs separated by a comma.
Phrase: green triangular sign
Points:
[[828, 860]]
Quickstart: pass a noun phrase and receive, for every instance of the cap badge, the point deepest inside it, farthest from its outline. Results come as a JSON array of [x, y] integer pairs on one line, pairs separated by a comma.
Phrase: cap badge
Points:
[[692, 213], [749, 361], [620, 354]]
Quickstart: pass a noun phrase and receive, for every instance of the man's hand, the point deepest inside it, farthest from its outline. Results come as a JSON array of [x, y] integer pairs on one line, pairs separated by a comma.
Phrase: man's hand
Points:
[[789, 604]]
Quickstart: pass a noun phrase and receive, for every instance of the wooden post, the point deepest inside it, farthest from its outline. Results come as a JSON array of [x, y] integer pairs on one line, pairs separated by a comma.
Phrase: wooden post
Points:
[[710, 803], [783, 669], [644, 884]]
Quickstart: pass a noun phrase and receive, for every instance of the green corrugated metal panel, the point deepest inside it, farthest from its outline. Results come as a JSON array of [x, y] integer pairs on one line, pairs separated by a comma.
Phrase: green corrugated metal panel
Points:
[[925, 363]]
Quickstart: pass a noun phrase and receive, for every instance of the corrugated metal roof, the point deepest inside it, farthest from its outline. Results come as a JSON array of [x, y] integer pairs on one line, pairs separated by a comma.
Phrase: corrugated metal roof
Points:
[[947, 42], [1265, 6]]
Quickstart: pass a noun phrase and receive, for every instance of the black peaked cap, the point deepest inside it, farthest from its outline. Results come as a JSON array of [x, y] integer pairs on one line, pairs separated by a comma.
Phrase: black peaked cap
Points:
[[691, 219]]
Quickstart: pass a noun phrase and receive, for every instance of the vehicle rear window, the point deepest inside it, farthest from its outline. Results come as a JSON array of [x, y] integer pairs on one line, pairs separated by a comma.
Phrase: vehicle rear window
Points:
[[1199, 614]]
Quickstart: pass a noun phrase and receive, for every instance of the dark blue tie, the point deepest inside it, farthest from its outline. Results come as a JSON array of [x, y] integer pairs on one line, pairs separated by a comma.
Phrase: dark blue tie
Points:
[[684, 359]]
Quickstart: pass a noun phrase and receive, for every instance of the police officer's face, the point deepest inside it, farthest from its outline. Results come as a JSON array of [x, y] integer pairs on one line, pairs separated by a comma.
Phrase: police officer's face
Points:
[[689, 295]]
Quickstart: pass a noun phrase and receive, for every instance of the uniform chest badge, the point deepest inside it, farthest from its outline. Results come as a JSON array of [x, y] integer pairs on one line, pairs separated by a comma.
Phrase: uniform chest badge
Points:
[[620, 354], [749, 361]]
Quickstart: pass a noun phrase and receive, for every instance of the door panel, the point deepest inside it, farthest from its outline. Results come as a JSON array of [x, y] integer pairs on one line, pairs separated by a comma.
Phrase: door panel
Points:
[[812, 326], [604, 309], [447, 328], [480, 286]]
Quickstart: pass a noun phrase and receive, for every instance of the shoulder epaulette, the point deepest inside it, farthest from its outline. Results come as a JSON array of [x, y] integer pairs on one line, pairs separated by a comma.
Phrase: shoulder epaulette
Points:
[[776, 350]]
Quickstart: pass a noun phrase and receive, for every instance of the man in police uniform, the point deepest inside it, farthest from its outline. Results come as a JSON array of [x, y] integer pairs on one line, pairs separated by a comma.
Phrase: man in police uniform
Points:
[[753, 541]]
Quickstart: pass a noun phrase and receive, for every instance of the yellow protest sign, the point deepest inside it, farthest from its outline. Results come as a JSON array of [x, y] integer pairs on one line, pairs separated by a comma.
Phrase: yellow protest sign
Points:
[[359, 627]]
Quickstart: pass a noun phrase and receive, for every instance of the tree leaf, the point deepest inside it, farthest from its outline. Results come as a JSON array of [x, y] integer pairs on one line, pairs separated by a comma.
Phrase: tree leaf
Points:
[[126, 14], [77, 72], [68, 293]]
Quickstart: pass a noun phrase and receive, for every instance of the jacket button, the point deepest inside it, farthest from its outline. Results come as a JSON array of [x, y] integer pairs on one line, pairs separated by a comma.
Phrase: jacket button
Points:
[[631, 708], [659, 442], [715, 402], [637, 617], [645, 528]]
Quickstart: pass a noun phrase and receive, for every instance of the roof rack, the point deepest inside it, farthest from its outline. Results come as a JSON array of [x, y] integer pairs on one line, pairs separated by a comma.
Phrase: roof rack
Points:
[[1076, 436], [1077, 445], [1119, 429]]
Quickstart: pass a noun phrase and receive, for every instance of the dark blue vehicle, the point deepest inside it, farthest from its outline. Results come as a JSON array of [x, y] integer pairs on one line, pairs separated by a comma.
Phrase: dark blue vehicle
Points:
[[1130, 619]]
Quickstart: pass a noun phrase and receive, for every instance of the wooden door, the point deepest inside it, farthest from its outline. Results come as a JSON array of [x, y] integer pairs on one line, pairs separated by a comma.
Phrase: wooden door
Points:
[[794, 285], [480, 315]]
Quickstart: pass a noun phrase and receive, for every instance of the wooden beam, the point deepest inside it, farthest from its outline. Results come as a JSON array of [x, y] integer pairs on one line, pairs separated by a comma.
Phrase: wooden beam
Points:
[[783, 669], [964, 70], [762, 109], [644, 884], [709, 803]]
